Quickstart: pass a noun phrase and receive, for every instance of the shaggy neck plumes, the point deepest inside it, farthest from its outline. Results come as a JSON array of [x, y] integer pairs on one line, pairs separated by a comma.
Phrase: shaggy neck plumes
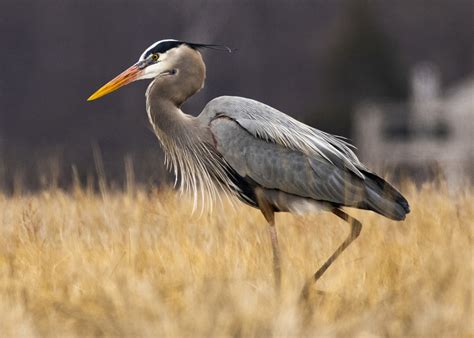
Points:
[[165, 95], [186, 144]]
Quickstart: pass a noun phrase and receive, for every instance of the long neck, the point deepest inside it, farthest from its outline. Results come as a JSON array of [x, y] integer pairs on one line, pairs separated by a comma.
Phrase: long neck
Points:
[[167, 119], [186, 143], [166, 94]]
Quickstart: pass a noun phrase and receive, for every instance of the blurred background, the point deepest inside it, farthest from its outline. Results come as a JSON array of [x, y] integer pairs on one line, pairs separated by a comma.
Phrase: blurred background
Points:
[[396, 77]]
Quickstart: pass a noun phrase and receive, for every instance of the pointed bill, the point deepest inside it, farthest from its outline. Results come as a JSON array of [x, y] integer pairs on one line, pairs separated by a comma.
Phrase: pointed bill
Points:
[[129, 75]]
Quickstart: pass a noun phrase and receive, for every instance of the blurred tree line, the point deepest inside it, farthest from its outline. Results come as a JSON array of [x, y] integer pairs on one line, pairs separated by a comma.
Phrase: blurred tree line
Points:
[[311, 59], [362, 62]]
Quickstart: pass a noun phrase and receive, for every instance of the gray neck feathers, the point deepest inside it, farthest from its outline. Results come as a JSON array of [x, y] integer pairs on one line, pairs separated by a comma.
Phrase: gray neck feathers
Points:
[[166, 94], [189, 75], [185, 141]]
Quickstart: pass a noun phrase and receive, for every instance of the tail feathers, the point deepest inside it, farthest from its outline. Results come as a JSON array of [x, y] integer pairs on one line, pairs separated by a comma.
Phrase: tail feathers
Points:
[[384, 199]]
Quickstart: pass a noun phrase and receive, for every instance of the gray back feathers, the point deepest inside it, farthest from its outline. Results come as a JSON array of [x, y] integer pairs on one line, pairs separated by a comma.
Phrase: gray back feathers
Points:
[[269, 124], [282, 154]]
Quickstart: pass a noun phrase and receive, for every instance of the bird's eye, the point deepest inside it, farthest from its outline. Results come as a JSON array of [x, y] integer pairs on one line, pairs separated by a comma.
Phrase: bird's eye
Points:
[[155, 57]]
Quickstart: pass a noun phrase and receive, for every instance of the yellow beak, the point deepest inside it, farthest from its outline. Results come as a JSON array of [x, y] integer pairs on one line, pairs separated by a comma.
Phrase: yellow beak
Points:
[[129, 75]]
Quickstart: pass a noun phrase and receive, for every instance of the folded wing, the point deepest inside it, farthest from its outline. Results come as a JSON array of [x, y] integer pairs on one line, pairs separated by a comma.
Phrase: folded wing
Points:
[[280, 153]]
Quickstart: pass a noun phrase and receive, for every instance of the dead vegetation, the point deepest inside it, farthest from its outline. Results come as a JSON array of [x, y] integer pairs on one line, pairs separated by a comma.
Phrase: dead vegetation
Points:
[[139, 264]]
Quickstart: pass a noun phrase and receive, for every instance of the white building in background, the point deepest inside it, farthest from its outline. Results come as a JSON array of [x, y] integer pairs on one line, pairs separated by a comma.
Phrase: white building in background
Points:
[[432, 130]]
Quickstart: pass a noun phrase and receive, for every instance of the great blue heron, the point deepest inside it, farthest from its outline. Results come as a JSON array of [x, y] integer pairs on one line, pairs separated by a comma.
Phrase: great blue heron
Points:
[[252, 151]]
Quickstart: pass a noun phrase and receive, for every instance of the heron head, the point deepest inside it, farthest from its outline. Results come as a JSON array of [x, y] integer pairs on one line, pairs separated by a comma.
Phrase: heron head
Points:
[[161, 59]]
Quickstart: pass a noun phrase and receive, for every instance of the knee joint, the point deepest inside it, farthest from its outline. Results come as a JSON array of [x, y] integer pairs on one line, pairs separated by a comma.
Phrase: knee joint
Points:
[[356, 228]]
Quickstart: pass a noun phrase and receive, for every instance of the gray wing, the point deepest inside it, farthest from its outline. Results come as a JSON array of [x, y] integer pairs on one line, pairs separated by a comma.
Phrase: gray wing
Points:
[[267, 123], [278, 152]]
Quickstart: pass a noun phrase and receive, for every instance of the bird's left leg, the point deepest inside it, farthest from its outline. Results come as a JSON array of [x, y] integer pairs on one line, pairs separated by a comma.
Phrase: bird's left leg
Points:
[[356, 227], [269, 215]]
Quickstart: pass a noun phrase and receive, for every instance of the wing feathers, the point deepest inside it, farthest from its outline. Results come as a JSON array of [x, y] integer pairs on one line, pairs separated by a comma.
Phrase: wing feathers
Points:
[[278, 152], [271, 125]]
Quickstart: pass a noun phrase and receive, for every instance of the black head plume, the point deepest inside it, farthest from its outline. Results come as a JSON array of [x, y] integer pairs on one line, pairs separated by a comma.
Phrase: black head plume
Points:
[[163, 46], [221, 48]]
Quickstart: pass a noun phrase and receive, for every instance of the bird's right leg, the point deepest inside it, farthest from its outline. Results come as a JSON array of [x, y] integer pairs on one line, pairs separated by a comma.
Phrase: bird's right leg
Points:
[[269, 215], [356, 227]]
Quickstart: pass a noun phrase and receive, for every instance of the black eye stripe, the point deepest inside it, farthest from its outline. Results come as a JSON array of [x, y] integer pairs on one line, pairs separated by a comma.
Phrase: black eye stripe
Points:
[[166, 45], [163, 47]]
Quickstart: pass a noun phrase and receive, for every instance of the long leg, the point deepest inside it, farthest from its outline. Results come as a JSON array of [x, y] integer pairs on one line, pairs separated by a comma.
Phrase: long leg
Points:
[[356, 227], [269, 215]]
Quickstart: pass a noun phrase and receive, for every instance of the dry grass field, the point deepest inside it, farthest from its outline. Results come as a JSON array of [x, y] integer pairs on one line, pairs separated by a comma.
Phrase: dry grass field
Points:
[[138, 263]]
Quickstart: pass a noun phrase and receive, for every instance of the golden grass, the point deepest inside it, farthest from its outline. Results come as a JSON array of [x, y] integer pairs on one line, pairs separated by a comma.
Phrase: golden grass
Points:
[[139, 264]]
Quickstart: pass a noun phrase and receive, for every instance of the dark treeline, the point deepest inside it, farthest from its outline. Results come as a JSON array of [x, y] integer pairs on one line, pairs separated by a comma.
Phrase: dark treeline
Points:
[[311, 59]]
